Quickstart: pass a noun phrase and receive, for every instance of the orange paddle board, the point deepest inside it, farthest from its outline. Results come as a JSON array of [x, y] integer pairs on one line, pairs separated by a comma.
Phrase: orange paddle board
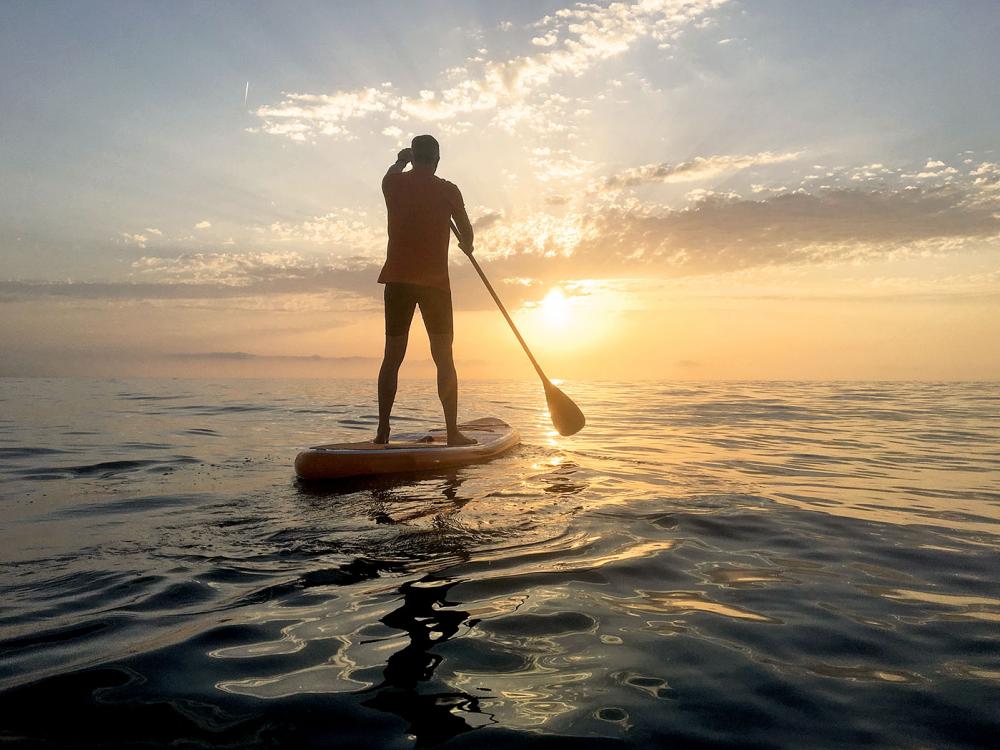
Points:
[[407, 453]]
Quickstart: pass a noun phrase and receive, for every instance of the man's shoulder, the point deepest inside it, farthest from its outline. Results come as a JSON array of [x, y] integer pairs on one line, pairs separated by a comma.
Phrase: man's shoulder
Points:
[[412, 176], [411, 180], [447, 185]]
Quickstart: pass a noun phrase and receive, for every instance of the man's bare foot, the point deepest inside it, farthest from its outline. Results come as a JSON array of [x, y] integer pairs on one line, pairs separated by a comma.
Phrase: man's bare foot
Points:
[[457, 438], [382, 436]]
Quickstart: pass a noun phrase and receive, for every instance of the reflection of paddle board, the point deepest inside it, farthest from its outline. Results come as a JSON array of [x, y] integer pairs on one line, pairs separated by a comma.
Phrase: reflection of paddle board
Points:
[[405, 453]]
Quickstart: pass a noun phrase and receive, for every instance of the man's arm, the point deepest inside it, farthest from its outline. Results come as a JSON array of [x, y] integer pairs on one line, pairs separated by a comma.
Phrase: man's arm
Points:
[[465, 234], [403, 158]]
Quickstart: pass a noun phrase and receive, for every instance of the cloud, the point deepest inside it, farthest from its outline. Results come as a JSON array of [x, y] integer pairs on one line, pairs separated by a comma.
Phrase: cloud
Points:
[[486, 218], [243, 273], [139, 240], [548, 40], [722, 233], [574, 41], [301, 116], [344, 228], [927, 174], [558, 164], [986, 175], [254, 281], [203, 224], [699, 168]]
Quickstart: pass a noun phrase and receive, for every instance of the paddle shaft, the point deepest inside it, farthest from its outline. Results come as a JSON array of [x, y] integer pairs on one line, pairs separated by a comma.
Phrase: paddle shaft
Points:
[[510, 322]]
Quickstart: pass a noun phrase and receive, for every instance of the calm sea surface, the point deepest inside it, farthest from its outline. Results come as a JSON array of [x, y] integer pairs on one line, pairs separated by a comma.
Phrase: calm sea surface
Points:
[[706, 565]]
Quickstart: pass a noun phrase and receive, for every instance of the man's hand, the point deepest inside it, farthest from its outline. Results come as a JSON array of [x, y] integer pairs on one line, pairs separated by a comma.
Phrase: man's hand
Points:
[[403, 158], [466, 247]]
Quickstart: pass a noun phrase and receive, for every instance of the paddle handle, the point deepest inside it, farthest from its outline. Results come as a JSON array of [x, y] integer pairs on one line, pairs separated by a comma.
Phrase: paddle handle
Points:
[[510, 322]]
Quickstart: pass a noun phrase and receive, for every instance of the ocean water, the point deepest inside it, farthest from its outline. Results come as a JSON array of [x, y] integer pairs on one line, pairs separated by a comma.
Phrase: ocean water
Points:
[[705, 565]]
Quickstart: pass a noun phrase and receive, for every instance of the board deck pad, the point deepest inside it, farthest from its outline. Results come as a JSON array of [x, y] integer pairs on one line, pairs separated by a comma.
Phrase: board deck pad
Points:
[[421, 451]]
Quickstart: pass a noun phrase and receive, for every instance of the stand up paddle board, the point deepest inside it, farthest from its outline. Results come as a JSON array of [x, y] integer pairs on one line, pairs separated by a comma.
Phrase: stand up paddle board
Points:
[[407, 453]]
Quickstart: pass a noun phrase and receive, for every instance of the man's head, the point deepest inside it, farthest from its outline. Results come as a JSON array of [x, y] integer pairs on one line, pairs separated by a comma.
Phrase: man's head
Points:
[[426, 150]]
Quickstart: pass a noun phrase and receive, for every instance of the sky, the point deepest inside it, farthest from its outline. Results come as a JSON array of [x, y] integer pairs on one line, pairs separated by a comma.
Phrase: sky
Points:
[[675, 189]]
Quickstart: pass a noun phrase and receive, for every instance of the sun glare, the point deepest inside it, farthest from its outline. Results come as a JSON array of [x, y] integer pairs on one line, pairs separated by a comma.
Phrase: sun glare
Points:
[[569, 317], [554, 309]]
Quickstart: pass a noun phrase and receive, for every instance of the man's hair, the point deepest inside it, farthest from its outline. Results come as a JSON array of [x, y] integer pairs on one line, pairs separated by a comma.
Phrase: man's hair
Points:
[[426, 149]]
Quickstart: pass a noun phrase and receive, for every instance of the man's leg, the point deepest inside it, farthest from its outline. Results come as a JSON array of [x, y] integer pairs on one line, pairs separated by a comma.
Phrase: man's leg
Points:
[[400, 302], [447, 382], [388, 379]]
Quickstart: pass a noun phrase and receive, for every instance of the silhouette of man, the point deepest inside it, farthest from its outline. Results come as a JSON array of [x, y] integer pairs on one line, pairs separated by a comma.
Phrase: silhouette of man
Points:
[[420, 206]]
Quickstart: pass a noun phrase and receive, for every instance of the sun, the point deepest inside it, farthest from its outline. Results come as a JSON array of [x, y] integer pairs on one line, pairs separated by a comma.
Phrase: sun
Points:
[[570, 317], [554, 309]]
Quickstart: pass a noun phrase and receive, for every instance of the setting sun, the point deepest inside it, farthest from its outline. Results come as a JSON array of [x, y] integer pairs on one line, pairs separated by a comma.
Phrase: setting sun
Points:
[[555, 309], [572, 318]]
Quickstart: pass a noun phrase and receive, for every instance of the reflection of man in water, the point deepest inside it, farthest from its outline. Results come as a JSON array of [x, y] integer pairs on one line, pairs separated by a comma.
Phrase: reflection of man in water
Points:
[[420, 206], [427, 621]]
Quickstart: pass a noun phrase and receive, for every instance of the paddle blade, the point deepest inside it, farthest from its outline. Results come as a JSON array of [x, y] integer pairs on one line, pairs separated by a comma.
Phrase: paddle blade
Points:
[[566, 416]]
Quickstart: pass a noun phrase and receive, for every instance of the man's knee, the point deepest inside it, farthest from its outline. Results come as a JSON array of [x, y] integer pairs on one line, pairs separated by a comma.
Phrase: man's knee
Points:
[[441, 349], [395, 349]]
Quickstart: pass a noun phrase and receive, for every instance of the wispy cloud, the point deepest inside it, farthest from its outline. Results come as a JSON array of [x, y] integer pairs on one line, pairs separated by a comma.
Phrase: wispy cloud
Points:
[[222, 269], [215, 276], [135, 238], [558, 164], [350, 230], [574, 40], [987, 175], [699, 168], [304, 116]]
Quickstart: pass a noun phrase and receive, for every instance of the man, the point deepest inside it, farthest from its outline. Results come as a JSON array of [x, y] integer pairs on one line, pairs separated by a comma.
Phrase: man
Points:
[[420, 207]]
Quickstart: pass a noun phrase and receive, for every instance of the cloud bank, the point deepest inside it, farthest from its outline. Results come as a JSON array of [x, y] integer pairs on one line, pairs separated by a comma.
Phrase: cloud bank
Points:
[[712, 234]]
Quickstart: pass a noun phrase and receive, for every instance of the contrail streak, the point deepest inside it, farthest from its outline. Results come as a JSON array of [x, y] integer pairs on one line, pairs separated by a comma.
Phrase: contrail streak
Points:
[[246, 94]]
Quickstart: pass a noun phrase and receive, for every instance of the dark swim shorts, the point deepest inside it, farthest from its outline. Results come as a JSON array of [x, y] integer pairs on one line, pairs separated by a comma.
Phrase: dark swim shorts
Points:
[[435, 308]]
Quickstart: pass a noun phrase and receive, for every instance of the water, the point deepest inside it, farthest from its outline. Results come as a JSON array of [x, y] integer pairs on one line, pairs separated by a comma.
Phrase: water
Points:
[[742, 564]]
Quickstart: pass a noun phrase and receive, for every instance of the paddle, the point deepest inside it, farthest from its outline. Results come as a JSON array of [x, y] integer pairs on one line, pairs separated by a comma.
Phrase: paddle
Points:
[[566, 416]]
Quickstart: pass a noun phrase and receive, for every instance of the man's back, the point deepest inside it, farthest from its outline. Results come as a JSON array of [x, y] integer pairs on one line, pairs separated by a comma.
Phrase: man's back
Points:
[[419, 205]]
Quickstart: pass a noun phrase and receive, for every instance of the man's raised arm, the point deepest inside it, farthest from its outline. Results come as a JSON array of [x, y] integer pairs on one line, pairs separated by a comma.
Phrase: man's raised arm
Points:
[[403, 158]]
